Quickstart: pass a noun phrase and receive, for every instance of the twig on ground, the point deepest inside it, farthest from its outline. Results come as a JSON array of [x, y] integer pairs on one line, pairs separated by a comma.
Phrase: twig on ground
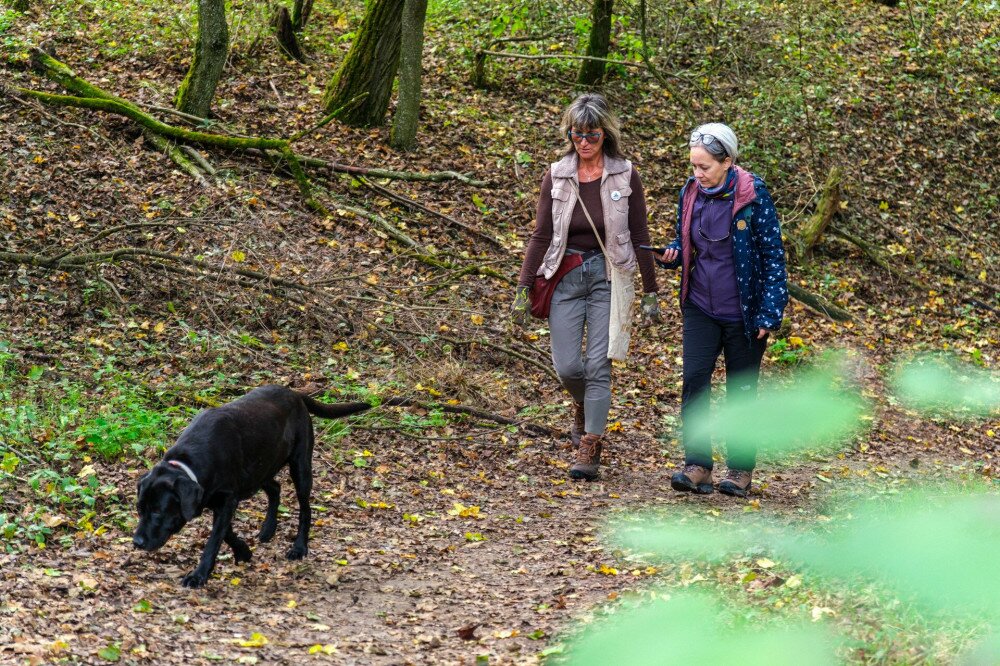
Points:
[[410, 203], [474, 411]]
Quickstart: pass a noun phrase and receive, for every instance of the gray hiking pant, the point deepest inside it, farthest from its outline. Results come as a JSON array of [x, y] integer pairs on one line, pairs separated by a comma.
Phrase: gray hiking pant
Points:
[[582, 301]]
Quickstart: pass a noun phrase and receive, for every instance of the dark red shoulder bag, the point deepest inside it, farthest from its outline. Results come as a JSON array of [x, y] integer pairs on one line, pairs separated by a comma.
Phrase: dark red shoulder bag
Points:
[[542, 290]]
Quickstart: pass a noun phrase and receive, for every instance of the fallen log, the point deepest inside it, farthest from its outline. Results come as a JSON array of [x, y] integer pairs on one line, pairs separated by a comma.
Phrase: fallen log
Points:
[[818, 304]]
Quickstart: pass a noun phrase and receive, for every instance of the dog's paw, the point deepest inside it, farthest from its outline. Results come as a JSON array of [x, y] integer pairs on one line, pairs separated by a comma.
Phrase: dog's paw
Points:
[[297, 552], [194, 579], [242, 553], [266, 533]]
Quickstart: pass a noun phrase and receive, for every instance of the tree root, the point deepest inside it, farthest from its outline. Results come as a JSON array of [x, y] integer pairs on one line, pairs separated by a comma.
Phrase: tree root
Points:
[[876, 257], [432, 176], [88, 96], [414, 205]]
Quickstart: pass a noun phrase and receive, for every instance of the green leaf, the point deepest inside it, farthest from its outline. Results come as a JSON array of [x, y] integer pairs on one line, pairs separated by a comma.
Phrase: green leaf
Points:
[[110, 652], [36, 372], [558, 648], [143, 606], [479, 203], [9, 463]]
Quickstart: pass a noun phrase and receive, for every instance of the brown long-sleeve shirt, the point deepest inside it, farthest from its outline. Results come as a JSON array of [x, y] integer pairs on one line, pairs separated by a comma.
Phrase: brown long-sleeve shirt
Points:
[[581, 236]]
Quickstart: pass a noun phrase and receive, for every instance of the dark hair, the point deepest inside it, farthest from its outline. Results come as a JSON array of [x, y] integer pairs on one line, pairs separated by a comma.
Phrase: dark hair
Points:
[[591, 111]]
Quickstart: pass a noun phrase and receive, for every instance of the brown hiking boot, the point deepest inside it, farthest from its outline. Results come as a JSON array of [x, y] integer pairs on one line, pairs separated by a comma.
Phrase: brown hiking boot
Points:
[[579, 427], [736, 483], [588, 457], [693, 479]]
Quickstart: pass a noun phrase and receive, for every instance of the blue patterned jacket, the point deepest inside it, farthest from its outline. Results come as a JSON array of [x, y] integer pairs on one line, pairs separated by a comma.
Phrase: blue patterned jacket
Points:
[[757, 251]]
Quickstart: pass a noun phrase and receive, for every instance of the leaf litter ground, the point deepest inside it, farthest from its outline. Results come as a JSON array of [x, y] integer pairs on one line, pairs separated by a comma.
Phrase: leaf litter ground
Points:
[[392, 577]]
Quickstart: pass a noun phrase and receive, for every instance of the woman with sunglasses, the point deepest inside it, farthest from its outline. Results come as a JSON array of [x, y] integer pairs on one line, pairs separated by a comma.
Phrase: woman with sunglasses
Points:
[[592, 173], [733, 292]]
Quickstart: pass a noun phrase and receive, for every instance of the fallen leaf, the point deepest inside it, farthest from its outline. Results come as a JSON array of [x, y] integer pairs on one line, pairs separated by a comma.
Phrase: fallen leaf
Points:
[[468, 632]]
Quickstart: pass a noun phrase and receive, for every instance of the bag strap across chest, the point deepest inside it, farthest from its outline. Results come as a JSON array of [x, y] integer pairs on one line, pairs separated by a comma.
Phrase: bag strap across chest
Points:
[[593, 226]]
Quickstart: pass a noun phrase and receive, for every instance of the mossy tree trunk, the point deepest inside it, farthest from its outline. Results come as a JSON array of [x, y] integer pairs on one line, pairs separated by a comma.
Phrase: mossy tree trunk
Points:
[[370, 66], [301, 9], [404, 123], [828, 206], [592, 71], [210, 52]]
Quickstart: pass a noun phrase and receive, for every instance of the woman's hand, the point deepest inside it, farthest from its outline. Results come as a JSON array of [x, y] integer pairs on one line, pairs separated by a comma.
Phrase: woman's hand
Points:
[[650, 307], [761, 333], [669, 256]]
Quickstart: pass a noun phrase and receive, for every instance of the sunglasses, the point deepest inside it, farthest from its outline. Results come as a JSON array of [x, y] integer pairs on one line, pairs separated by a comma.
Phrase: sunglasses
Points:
[[705, 140], [589, 137]]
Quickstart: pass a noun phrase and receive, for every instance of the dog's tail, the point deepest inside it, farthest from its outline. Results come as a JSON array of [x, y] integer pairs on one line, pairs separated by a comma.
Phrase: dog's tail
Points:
[[337, 410]]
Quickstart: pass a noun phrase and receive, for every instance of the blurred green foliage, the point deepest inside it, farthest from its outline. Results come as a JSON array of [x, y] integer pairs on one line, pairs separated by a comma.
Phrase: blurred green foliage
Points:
[[937, 383], [935, 547], [687, 629], [814, 410]]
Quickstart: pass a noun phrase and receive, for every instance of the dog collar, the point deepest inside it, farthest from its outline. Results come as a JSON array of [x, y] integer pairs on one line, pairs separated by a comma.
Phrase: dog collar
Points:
[[187, 470]]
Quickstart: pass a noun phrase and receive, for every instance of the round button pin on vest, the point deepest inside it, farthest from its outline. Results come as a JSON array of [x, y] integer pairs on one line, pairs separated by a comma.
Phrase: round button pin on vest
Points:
[[616, 195], [741, 225]]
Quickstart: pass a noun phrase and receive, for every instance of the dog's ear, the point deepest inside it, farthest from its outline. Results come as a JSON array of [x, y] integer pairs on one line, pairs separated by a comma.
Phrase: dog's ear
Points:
[[142, 485], [190, 494]]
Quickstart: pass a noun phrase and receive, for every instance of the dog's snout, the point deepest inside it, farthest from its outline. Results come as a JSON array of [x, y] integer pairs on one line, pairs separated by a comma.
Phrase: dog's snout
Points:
[[139, 541]]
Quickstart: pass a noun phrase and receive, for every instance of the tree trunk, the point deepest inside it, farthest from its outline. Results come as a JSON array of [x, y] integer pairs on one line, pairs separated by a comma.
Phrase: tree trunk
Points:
[[592, 71], [301, 9], [210, 51], [370, 66], [284, 32], [829, 204], [404, 123]]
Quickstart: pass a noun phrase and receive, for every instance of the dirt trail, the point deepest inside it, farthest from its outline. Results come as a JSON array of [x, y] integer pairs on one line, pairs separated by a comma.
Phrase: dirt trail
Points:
[[384, 589]]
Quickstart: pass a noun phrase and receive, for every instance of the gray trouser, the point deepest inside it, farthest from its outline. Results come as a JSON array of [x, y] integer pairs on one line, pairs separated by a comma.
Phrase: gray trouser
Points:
[[582, 299]]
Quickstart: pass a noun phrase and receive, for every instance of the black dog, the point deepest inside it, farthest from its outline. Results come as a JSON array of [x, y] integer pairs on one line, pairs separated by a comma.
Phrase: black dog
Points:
[[226, 454]]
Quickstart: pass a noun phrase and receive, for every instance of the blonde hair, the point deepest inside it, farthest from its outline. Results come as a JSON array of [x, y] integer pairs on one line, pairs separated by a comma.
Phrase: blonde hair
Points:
[[591, 111]]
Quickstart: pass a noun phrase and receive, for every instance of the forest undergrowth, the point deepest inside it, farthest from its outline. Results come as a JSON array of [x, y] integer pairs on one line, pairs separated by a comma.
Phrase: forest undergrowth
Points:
[[442, 536]]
